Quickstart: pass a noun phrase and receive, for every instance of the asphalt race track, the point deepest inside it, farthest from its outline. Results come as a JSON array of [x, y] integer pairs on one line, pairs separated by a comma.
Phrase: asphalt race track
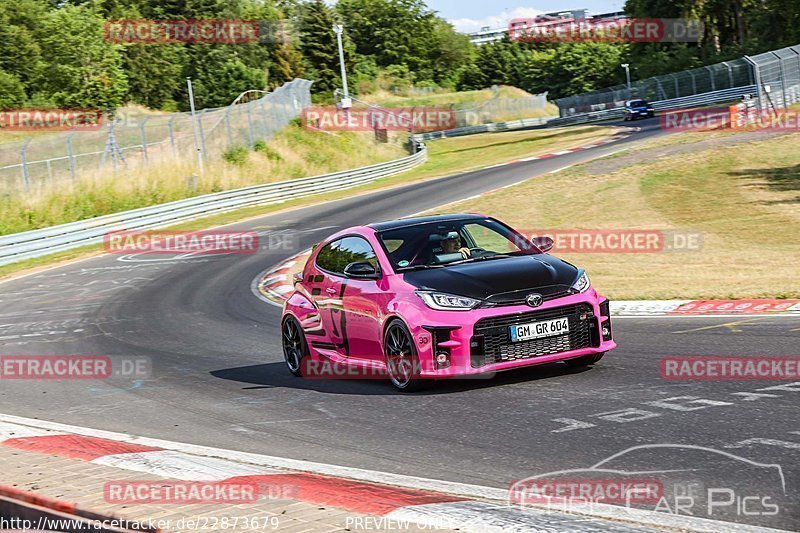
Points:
[[218, 376]]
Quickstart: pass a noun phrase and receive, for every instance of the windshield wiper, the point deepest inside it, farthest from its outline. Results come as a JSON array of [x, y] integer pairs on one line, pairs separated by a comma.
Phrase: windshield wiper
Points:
[[418, 267], [479, 258]]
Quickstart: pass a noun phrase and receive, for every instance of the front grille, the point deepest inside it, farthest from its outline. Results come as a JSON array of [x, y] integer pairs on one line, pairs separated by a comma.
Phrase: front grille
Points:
[[492, 340], [498, 301]]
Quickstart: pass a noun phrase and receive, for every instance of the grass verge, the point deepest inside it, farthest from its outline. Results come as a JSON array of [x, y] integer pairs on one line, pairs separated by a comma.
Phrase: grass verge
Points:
[[741, 191], [444, 160], [293, 153]]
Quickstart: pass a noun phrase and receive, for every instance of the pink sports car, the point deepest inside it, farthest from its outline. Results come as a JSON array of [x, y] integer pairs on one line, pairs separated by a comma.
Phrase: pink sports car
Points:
[[437, 297]]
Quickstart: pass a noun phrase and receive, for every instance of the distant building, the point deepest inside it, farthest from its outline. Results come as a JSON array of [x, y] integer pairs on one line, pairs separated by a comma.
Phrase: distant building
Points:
[[489, 35]]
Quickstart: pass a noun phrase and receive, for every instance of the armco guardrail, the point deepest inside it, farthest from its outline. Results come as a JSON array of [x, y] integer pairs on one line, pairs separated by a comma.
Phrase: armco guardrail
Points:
[[696, 100], [484, 128], [38, 243]]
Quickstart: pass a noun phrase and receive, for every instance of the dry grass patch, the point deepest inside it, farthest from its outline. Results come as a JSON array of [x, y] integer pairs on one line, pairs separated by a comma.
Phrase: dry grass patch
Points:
[[293, 153], [744, 198]]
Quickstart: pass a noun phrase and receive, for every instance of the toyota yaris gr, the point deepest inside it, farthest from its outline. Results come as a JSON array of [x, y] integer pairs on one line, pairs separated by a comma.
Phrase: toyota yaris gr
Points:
[[437, 297]]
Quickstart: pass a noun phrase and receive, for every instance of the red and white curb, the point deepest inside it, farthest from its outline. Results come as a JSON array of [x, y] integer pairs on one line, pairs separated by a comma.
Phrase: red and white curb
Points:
[[615, 138], [275, 285], [396, 498]]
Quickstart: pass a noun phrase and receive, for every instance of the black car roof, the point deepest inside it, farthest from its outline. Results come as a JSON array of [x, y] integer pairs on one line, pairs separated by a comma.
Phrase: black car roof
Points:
[[413, 221]]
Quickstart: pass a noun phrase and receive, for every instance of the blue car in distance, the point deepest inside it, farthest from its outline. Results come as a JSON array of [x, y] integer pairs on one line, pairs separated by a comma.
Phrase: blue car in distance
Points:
[[638, 109]]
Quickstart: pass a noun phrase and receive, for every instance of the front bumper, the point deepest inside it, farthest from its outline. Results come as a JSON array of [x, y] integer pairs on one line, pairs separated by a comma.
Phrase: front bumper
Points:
[[478, 341]]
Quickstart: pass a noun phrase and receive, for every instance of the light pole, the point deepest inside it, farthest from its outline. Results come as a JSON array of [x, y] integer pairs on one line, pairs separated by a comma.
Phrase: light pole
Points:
[[346, 103], [626, 66]]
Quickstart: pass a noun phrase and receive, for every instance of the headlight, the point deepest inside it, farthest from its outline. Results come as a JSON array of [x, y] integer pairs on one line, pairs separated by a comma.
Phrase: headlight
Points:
[[447, 302], [582, 283]]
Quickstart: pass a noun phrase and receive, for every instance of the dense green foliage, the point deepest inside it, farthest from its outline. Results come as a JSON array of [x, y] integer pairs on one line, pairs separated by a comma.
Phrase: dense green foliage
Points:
[[56, 52]]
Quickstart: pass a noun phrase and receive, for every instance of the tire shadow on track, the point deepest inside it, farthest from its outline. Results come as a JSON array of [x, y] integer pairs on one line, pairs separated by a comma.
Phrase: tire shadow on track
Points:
[[275, 375]]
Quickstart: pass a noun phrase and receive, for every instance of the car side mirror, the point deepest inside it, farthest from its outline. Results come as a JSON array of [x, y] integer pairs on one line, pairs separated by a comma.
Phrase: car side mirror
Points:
[[361, 270], [544, 243]]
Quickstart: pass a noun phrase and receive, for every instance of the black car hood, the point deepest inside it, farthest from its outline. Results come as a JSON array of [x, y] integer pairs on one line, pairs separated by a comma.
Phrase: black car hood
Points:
[[500, 281]]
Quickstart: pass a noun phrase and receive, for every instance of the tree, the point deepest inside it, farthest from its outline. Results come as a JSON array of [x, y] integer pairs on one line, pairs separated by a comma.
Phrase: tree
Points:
[[12, 92], [84, 70], [319, 47]]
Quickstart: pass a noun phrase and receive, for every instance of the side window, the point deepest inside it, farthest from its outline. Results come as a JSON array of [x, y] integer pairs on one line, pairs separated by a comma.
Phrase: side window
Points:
[[489, 239], [334, 257], [327, 257]]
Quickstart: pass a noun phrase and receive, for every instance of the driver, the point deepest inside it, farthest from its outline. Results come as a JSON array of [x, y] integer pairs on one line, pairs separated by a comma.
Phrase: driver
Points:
[[451, 244]]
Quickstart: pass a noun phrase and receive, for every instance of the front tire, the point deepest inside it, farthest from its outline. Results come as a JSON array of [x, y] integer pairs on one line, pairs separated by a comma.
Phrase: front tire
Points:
[[402, 361], [295, 349], [586, 360]]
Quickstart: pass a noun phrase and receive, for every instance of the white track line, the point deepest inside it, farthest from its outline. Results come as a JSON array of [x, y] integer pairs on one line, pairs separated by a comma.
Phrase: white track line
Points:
[[609, 512]]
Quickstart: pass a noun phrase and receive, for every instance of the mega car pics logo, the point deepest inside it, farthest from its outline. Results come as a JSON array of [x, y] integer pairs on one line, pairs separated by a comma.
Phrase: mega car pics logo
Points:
[[181, 242], [418, 119], [50, 119]]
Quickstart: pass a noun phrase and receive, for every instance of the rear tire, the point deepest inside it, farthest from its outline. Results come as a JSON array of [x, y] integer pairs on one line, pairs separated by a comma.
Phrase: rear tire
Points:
[[295, 349], [586, 360], [402, 361]]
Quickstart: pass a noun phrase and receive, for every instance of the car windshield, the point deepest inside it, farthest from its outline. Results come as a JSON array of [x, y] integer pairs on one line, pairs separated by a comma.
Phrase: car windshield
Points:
[[442, 243], [637, 103]]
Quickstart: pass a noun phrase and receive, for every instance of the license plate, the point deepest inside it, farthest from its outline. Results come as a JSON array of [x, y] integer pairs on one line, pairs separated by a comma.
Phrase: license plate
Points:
[[537, 330]]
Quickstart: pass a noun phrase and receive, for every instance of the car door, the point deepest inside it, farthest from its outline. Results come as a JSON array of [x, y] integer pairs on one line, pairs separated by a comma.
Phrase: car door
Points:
[[360, 303], [327, 294]]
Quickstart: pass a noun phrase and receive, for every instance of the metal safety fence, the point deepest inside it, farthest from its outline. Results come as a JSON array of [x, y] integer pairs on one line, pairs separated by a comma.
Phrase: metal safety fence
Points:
[[773, 78], [499, 110], [41, 242], [511, 125], [135, 139], [709, 79], [777, 78]]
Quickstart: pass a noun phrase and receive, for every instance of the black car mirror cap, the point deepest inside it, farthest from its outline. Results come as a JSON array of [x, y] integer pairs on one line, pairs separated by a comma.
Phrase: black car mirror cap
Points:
[[544, 243], [361, 270]]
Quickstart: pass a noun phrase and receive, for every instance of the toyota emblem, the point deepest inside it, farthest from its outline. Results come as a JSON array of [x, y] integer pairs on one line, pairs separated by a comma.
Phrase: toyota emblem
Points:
[[534, 300]]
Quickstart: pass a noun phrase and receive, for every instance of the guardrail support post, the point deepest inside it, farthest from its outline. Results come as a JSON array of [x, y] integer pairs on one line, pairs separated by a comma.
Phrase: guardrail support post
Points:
[[711, 78], [784, 99], [250, 136], [730, 74], [202, 133], [71, 155], [757, 78], [171, 128], [228, 131], [26, 181], [143, 136]]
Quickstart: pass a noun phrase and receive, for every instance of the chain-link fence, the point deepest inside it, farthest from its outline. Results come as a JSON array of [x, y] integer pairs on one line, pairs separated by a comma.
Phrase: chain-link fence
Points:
[[777, 78], [500, 109], [725, 75], [136, 139]]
